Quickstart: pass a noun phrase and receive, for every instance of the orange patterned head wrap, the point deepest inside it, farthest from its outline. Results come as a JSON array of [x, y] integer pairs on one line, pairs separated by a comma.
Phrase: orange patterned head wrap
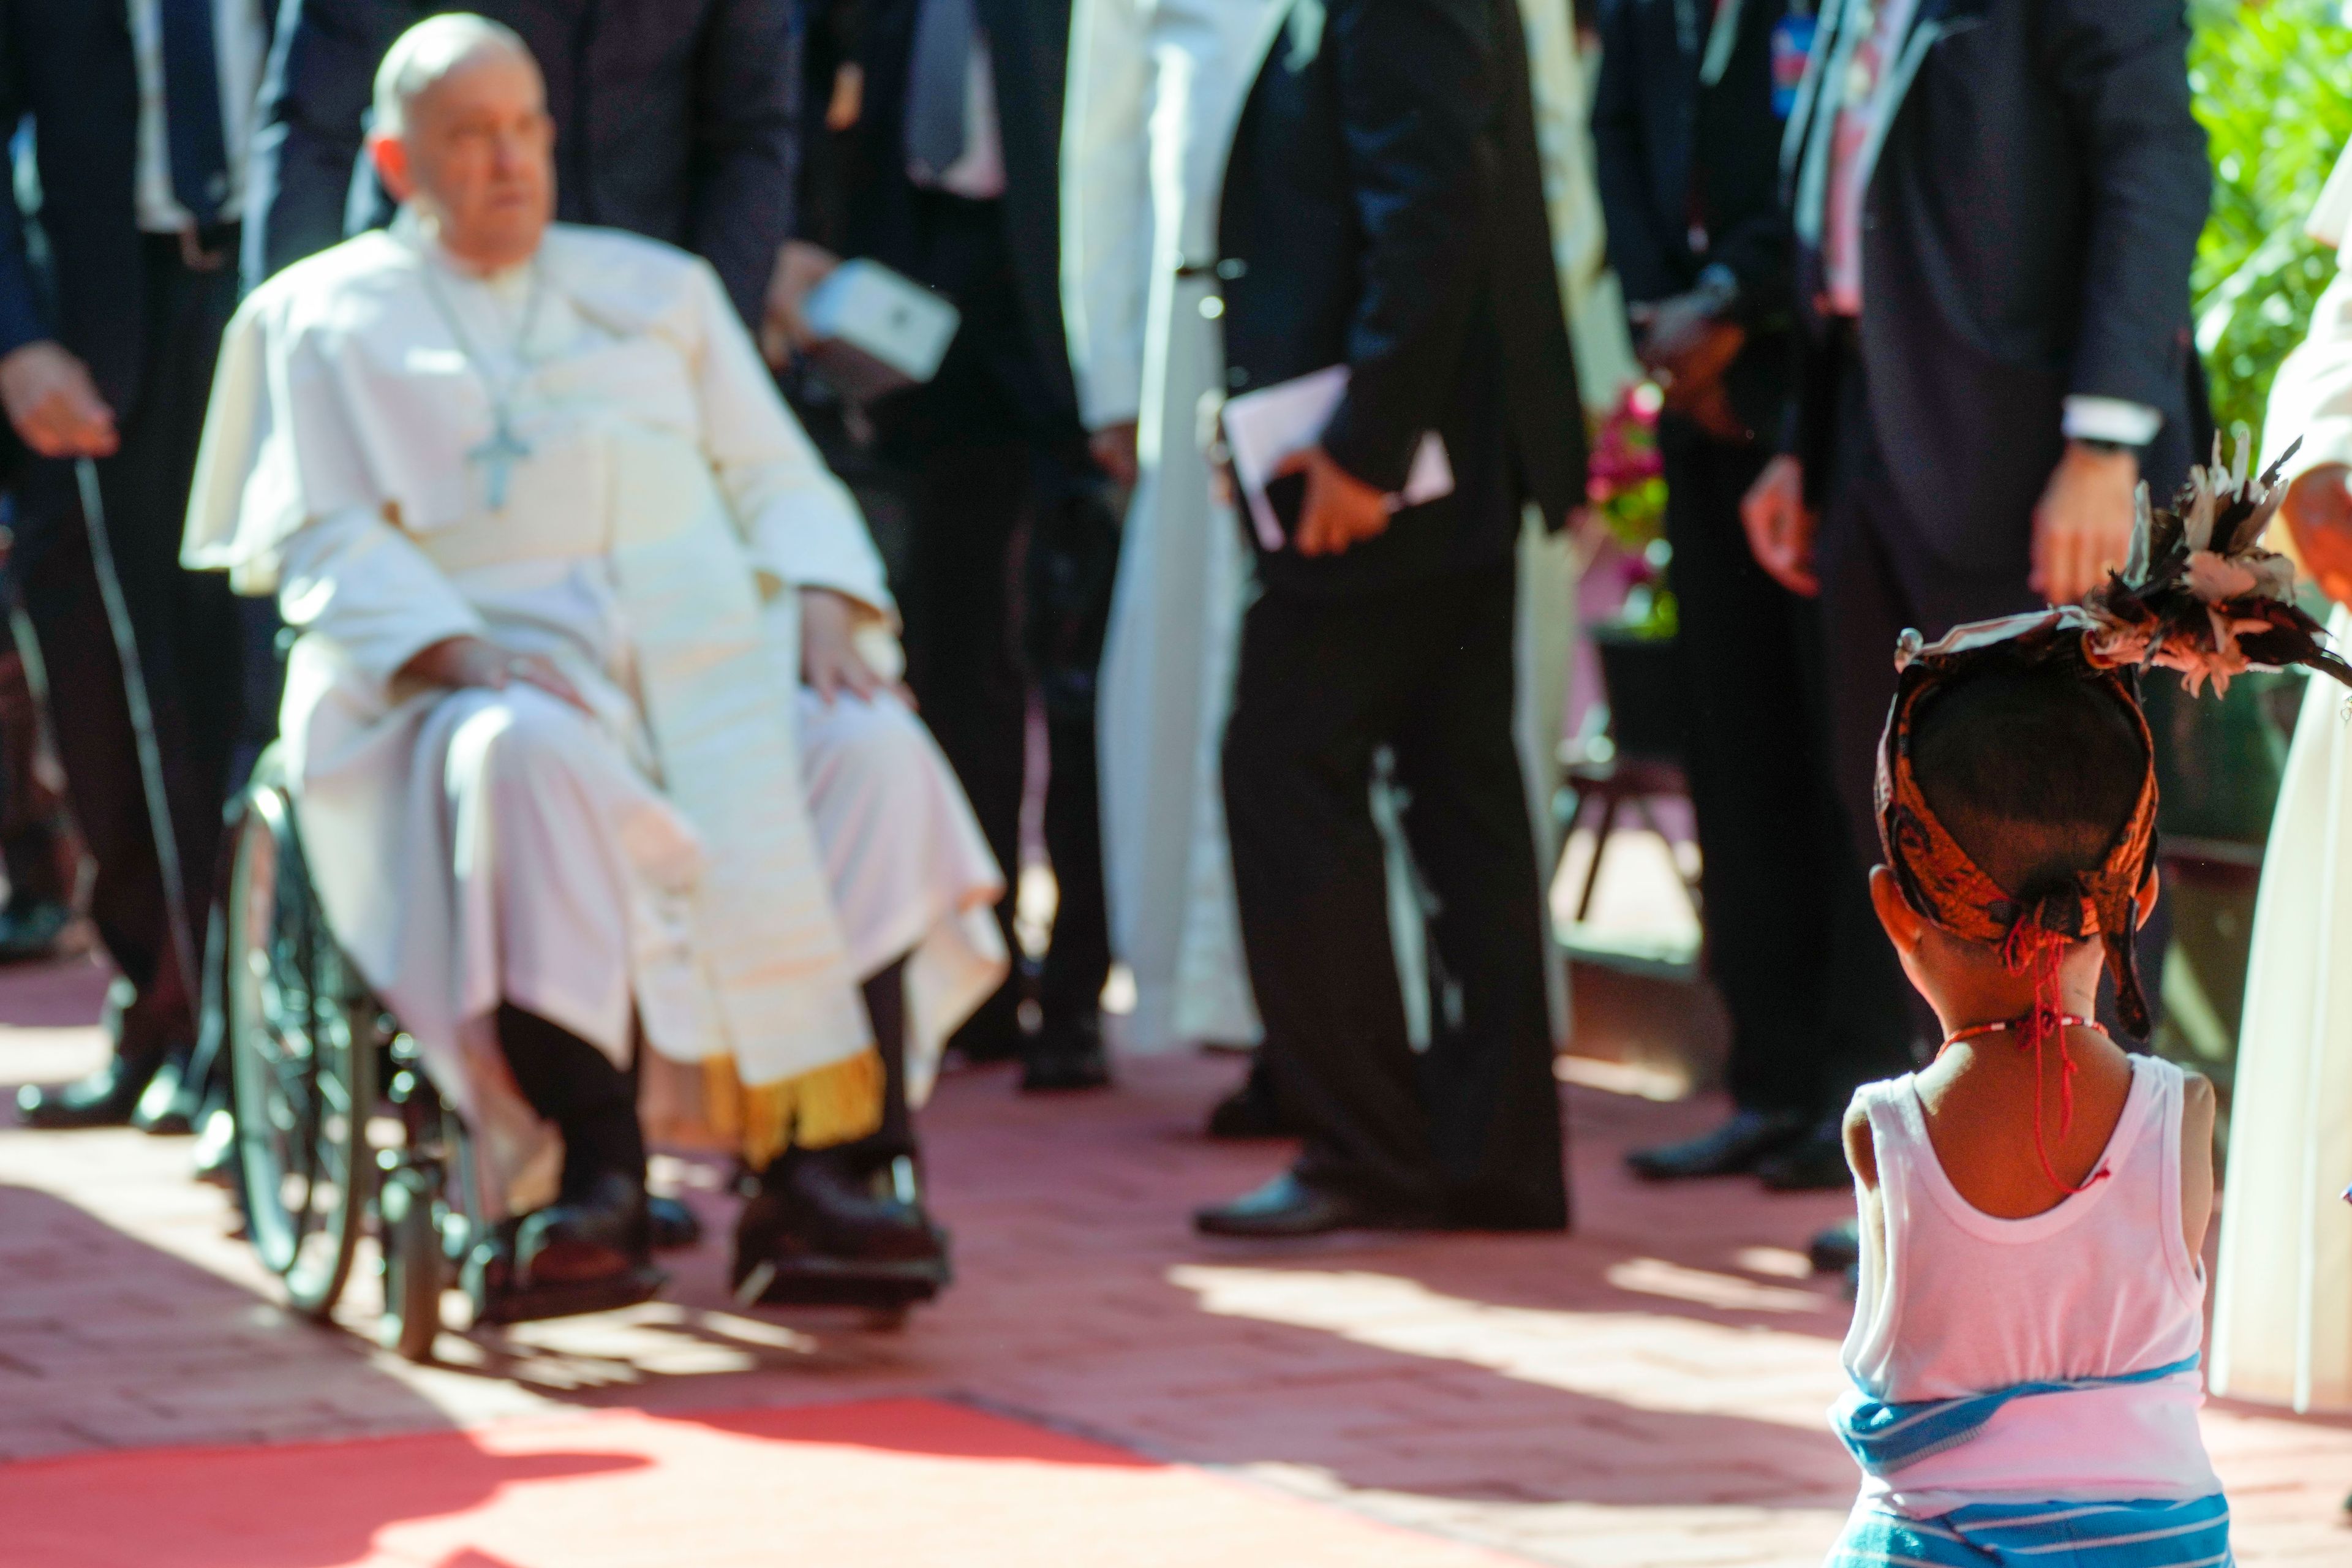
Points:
[[1938, 879]]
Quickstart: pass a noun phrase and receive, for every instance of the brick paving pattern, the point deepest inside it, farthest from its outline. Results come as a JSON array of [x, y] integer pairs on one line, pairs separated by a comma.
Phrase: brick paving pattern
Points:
[[1648, 1392]]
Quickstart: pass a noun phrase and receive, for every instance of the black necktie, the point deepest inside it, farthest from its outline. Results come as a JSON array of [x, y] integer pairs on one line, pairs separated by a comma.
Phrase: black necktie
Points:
[[191, 108]]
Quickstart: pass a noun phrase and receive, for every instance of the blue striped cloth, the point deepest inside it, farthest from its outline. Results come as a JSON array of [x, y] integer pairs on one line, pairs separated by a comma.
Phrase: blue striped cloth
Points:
[[1884, 1437], [2194, 1534]]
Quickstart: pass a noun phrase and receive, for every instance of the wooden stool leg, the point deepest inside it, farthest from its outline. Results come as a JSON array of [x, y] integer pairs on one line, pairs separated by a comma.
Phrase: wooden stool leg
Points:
[[1608, 824]]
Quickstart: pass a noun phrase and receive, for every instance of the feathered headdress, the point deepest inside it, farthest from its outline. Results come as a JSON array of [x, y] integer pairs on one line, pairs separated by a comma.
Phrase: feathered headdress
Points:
[[2199, 596]]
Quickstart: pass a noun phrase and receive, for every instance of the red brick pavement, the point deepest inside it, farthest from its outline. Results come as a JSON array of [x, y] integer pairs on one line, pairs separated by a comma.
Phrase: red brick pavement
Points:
[[1648, 1390]]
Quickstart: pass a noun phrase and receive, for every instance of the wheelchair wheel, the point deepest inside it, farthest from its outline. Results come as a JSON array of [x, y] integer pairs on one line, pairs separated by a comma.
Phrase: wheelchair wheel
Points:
[[303, 1049], [413, 1268]]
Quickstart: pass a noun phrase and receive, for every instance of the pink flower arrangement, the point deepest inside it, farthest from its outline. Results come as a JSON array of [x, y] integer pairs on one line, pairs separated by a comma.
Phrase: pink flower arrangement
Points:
[[1625, 481]]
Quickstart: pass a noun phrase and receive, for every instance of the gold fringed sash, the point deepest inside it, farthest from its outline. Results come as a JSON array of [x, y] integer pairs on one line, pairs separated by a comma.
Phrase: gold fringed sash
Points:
[[829, 1105]]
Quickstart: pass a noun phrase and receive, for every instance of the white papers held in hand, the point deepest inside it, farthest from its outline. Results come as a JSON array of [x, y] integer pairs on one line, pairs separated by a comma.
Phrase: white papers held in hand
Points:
[[1265, 427], [877, 330]]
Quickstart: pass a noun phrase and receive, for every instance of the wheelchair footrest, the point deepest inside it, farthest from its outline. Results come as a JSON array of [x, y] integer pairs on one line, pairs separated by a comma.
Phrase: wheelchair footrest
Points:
[[498, 1300], [814, 1280]]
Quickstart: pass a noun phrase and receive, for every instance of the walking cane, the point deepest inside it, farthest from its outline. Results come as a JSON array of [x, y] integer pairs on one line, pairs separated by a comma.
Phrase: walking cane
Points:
[[142, 723]]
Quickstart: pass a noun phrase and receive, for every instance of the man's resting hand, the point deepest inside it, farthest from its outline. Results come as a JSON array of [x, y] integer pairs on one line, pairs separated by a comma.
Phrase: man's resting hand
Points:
[[54, 404], [830, 662], [2083, 527], [1781, 527], [784, 329], [477, 662]]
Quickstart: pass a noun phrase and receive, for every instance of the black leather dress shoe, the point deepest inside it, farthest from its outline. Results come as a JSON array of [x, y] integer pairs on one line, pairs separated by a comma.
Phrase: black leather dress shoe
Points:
[[823, 1206], [1249, 1112], [165, 1107], [1836, 1250], [1286, 1206], [33, 930], [104, 1099], [670, 1225], [601, 1235], [1733, 1149], [1064, 1056], [1814, 1164]]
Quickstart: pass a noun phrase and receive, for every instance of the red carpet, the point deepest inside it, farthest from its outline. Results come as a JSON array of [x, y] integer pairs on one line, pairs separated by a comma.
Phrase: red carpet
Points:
[[871, 1485]]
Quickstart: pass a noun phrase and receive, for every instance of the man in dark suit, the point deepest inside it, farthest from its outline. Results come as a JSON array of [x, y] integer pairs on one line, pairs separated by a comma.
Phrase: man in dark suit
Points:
[[1993, 250], [1383, 210], [1996, 206], [113, 291], [1686, 127], [676, 119], [945, 168]]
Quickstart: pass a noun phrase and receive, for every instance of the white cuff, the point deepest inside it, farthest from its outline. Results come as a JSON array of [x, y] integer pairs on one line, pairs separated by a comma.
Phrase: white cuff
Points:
[[2126, 424]]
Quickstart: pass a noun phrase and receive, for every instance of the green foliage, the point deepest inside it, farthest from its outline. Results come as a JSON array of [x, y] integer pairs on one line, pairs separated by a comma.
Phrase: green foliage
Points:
[[2273, 86]]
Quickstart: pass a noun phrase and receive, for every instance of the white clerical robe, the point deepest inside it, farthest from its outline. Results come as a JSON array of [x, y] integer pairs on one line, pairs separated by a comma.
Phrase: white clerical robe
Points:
[[709, 854], [1155, 88], [2283, 1298]]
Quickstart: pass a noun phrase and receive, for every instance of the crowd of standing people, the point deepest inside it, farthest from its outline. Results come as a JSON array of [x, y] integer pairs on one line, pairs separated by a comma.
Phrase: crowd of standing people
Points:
[[437, 418], [1139, 211]]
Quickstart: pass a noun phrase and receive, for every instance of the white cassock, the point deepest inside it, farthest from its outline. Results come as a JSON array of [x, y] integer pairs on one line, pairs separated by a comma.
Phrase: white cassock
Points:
[[1156, 88], [2283, 1298], [713, 855]]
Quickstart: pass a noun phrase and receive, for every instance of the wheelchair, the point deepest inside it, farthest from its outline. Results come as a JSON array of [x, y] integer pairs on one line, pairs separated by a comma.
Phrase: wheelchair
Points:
[[339, 1128]]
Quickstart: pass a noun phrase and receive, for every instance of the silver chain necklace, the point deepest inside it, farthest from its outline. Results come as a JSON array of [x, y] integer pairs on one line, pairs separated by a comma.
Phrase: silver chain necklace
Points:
[[502, 448]]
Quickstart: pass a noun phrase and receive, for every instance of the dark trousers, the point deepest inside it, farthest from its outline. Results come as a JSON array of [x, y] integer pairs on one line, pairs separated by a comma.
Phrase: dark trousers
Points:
[[573, 1084], [1468, 1131], [1776, 858], [1004, 586], [1879, 579], [190, 640], [36, 842]]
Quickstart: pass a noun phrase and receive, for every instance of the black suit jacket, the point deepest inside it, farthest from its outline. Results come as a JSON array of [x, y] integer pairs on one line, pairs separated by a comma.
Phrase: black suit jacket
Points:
[[2027, 234], [69, 69], [676, 119], [1383, 209], [1668, 149], [881, 209]]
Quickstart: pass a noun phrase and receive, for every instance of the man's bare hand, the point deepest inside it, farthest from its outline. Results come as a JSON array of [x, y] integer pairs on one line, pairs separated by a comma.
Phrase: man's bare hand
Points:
[[1113, 448], [470, 661], [783, 323], [1781, 527], [830, 662], [1341, 511], [54, 404], [2318, 532], [2082, 526]]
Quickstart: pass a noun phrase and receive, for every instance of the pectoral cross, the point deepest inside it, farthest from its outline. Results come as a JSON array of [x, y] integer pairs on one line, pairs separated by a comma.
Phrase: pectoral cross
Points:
[[498, 455]]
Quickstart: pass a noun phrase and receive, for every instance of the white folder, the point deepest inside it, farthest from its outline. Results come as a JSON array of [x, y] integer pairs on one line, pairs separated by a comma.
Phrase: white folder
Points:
[[1265, 427]]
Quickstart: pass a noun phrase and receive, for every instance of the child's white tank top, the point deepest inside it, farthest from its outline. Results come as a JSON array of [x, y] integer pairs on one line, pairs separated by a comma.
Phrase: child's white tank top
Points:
[[2101, 1286]]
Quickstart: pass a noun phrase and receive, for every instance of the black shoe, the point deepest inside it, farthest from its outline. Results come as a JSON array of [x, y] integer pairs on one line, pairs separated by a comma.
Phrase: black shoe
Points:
[[1249, 1112], [825, 1208], [811, 1235], [992, 1034], [104, 1099], [1066, 1056], [1286, 1206], [1733, 1149], [34, 932], [670, 1225], [1837, 1248], [216, 1151], [1815, 1163], [167, 1107], [599, 1235]]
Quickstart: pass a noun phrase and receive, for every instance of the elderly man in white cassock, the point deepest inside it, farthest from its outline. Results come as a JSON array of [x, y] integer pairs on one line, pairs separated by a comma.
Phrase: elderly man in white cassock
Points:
[[591, 722]]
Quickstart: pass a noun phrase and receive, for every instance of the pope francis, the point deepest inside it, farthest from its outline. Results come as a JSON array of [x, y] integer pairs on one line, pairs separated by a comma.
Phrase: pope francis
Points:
[[591, 719]]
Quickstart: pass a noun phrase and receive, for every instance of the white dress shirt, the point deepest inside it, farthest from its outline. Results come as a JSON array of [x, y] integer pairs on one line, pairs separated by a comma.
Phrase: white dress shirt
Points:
[[239, 43]]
